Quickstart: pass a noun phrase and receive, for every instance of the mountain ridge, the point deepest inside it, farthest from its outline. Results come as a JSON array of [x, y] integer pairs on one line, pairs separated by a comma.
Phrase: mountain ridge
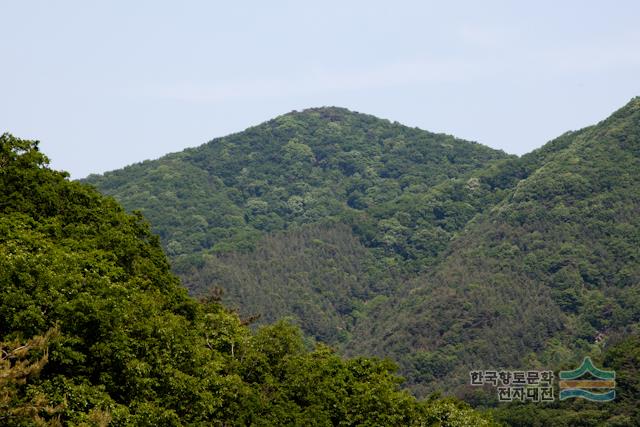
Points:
[[269, 154], [434, 240], [565, 236], [324, 110]]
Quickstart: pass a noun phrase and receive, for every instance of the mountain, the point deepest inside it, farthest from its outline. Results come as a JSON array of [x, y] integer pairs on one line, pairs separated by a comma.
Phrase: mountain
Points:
[[441, 254], [96, 330], [299, 168], [548, 274], [272, 187]]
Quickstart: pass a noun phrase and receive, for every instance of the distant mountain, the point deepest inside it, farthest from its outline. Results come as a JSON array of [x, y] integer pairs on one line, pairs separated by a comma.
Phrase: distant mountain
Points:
[[441, 254], [214, 205], [299, 168]]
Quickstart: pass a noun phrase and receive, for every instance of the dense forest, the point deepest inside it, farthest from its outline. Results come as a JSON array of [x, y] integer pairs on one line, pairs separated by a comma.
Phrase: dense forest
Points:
[[96, 330], [300, 168], [439, 253], [543, 277], [272, 187]]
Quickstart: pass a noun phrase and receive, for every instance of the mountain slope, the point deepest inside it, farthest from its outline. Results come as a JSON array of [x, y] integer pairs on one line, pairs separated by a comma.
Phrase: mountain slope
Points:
[[315, 273], [311, 167], [493, 261], [298, 168], [541, 278]]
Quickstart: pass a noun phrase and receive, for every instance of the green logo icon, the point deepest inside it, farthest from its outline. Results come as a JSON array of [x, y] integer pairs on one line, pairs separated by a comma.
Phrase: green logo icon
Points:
[[603, 381]]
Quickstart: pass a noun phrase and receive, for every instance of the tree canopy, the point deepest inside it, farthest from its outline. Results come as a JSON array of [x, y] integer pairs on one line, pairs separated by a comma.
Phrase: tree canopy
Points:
[[96, 330], [390, 241]]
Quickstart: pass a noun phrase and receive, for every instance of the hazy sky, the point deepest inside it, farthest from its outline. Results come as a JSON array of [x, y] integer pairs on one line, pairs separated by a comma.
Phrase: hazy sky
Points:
[[106, 84]]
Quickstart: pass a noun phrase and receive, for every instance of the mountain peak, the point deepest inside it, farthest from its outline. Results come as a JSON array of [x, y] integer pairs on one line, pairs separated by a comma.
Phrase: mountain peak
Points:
[[329, 113], [295, 168]]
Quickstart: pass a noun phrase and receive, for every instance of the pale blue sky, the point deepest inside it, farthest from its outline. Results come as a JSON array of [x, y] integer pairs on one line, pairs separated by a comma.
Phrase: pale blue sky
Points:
[[106, 84]]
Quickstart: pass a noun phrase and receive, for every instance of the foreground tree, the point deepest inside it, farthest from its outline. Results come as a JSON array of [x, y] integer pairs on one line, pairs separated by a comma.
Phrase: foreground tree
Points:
[[20, 362]]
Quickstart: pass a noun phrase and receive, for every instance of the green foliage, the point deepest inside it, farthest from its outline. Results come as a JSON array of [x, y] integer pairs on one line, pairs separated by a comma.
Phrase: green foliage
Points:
[[17, 366], [131, 348], [538, 279], [320, 274], [241, 212], [466, 257], [296, 169]]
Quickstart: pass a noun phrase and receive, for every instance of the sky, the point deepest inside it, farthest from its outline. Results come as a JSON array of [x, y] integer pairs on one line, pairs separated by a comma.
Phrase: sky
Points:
[[106, 84]]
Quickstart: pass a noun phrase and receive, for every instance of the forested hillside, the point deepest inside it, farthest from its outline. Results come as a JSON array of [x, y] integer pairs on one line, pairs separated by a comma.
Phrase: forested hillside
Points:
[[302, 167], [545, 276], [319, 273], [382, 240], [96, 330], [214, 204]]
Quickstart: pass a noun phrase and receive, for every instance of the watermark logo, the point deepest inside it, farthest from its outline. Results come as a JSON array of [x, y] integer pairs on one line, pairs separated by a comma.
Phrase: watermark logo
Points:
[[586, 382], [572, 386]]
